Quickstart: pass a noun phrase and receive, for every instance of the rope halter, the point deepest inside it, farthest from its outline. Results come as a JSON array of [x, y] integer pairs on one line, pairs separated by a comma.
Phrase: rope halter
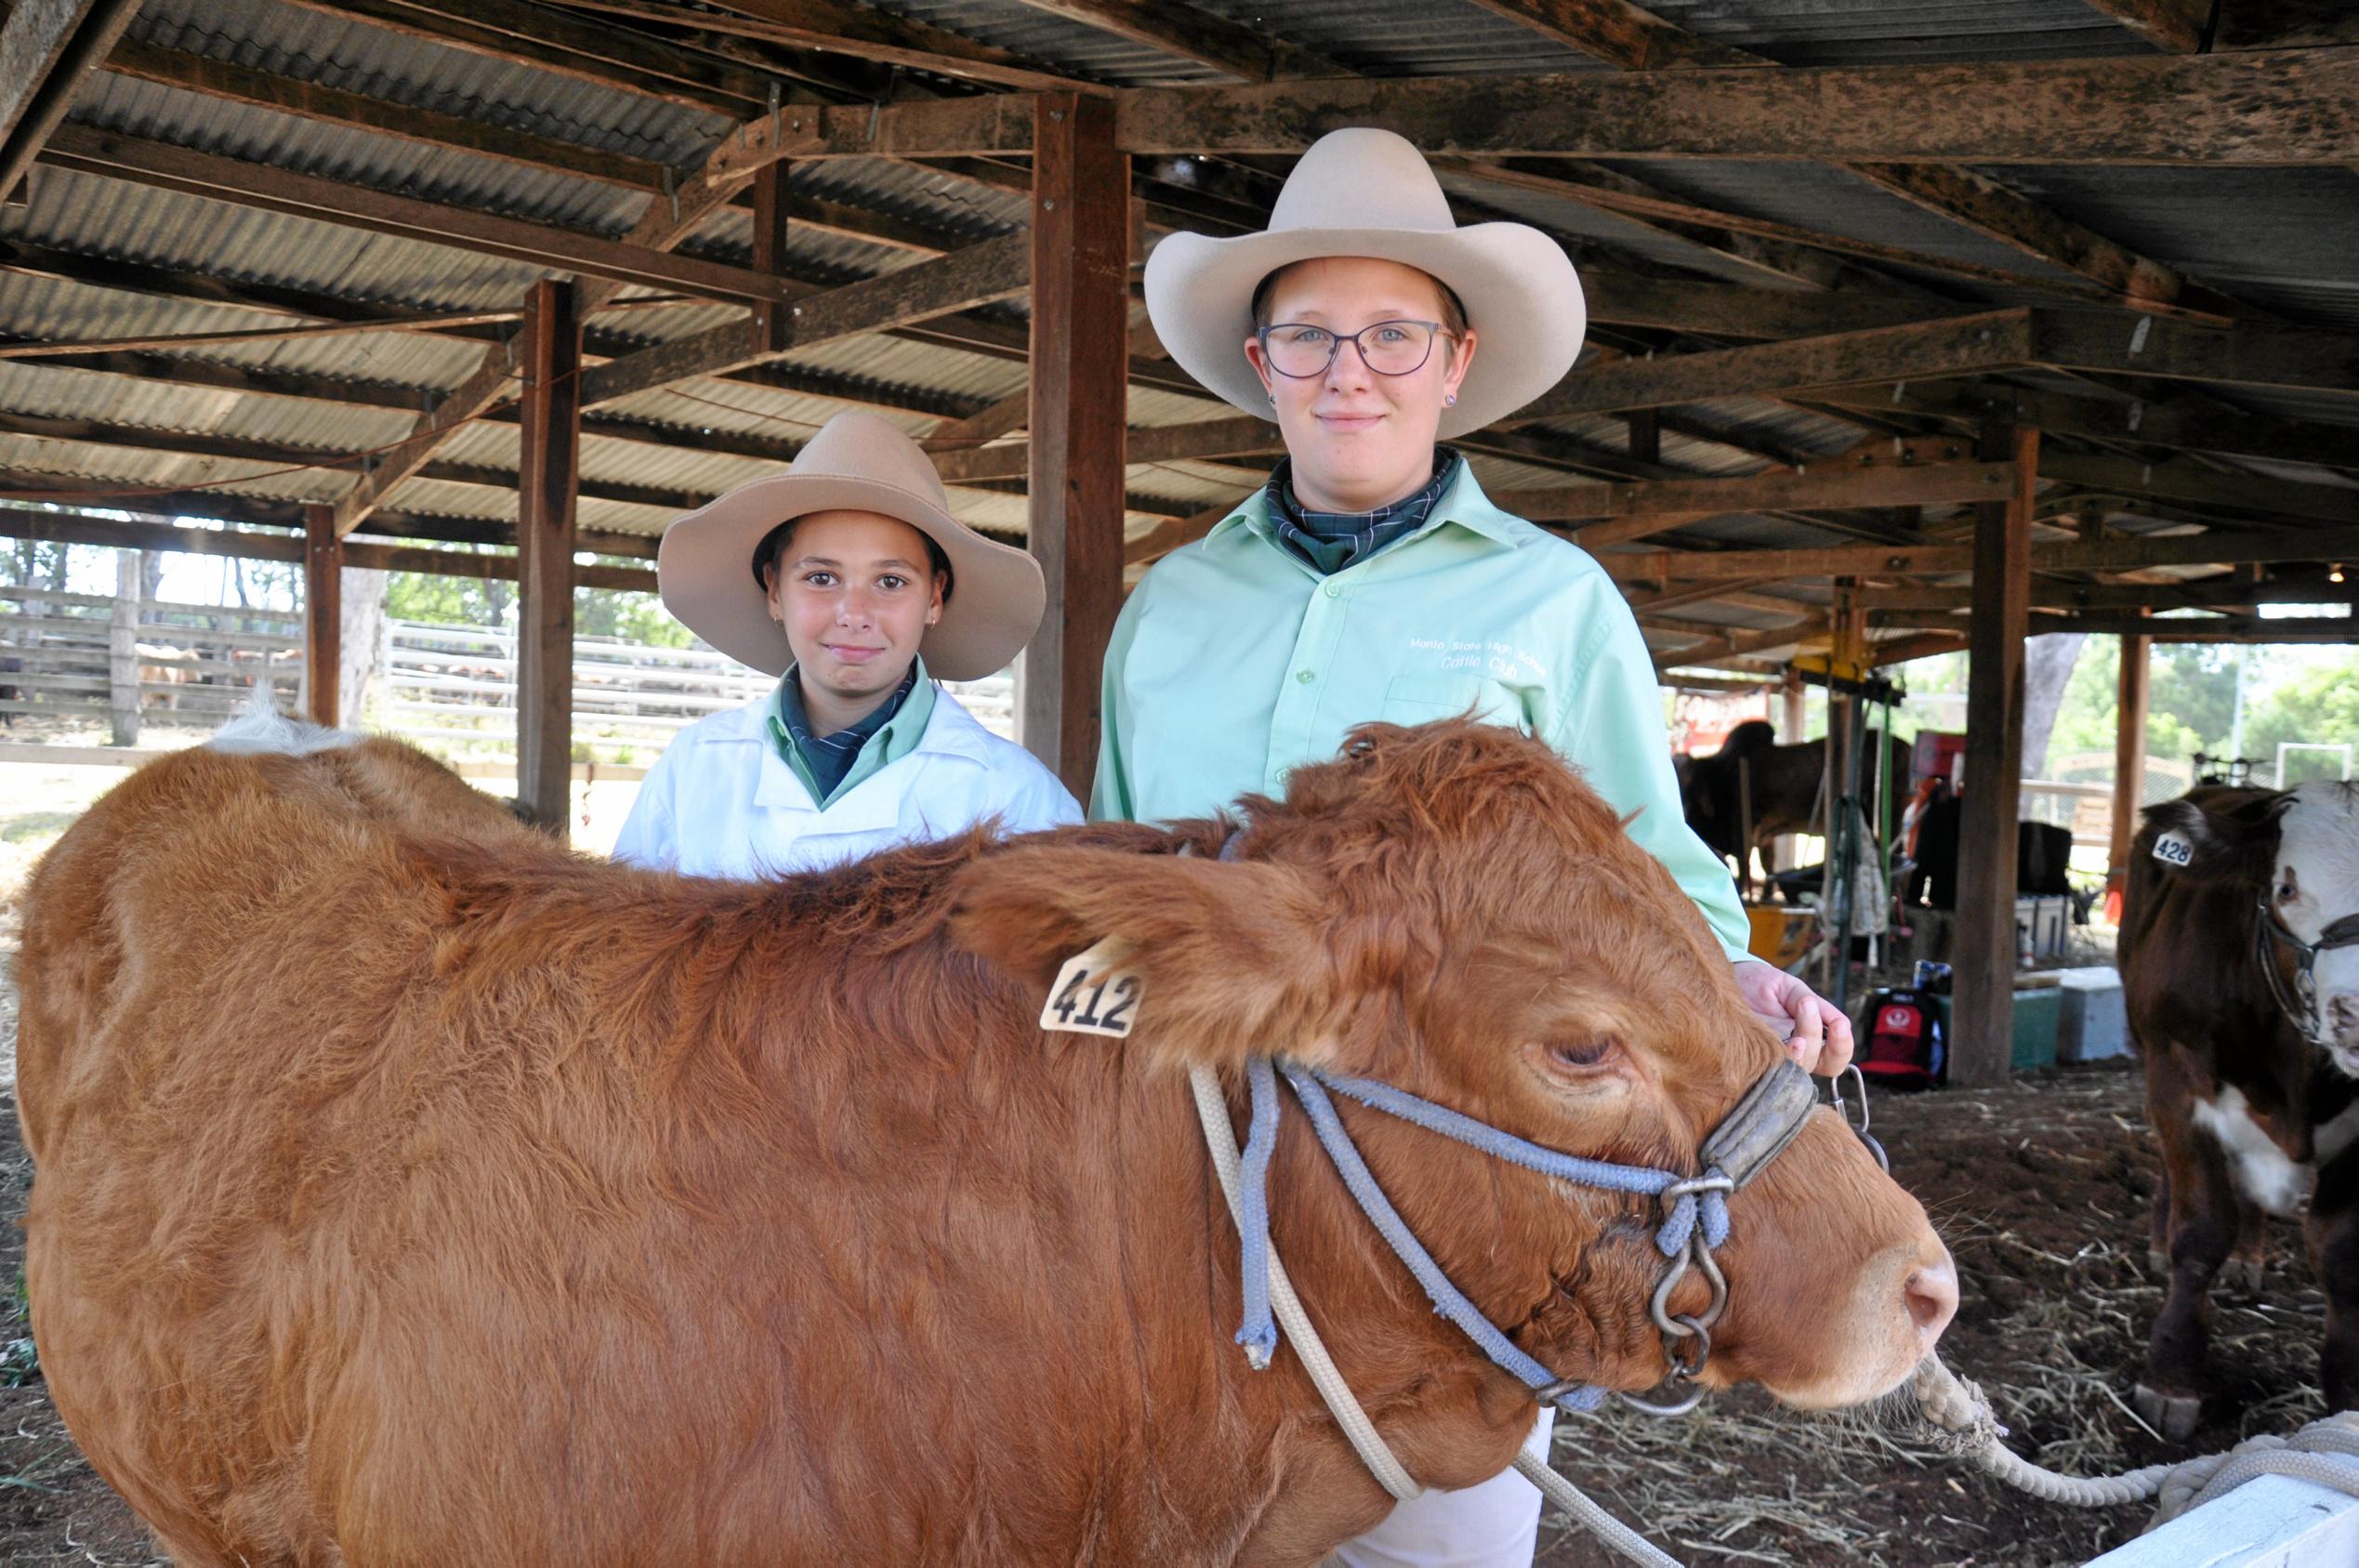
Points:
[[2299, 1001], [1693, 1209]]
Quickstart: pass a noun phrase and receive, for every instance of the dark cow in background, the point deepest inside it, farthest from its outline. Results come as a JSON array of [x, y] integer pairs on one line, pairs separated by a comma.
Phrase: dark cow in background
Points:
[[2240, 963], [1786, 783]]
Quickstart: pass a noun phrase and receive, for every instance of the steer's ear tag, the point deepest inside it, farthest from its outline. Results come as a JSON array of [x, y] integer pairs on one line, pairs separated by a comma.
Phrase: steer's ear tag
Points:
[[2174, 848], [1093, 996]]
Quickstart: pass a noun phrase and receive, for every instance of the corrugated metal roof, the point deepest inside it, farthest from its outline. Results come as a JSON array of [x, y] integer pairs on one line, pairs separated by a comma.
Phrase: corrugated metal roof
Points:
[[2284, 241], [2279, 239], [1058, 43], [1829, 200], [313, 46], [1407, 37], [1879, 32]]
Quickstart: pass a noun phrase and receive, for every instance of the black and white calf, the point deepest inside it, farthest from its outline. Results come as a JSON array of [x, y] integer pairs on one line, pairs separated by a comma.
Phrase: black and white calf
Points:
[[2240, 967]]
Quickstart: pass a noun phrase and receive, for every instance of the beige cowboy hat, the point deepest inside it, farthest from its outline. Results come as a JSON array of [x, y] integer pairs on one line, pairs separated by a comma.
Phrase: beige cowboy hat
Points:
[[857, 461], [1369, 193]]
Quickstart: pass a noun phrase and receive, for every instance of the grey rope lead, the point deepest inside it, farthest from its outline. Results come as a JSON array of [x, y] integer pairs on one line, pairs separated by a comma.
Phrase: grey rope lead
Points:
[[1221, 1140], [1958, 1420]]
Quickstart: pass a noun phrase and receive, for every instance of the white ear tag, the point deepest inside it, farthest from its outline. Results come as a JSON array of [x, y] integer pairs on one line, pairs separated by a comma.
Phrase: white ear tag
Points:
[[2174, 849], [1092, 997]]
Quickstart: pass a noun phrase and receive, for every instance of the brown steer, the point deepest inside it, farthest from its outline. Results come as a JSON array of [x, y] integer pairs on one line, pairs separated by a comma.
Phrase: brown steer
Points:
[[412, 1191]]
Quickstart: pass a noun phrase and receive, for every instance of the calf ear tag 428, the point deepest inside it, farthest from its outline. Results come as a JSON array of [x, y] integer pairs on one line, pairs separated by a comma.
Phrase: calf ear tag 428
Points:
[[2174, 849], [1092, 995]]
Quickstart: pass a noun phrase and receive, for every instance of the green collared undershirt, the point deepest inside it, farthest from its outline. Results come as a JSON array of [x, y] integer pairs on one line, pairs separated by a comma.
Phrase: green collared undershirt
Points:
[[894, 739]]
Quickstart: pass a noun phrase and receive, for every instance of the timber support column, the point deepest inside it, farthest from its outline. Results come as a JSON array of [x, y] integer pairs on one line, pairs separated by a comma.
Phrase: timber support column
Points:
[[323, 612], [1982, 1044], [1080, 381], [122, 651], [550, 358], [2129, 763]]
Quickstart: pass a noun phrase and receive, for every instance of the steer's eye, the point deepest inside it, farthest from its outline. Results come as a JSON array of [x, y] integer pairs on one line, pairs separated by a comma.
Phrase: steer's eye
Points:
[[1584, 1055]]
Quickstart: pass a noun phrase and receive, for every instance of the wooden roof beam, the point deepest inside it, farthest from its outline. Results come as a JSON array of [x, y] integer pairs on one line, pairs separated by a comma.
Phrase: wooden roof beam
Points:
[[1247, 53], [233, 82], [1626, 36], [46, 49], [871, 35], [2261, 110], [2174, 26], [2117, 553], [993, 270]]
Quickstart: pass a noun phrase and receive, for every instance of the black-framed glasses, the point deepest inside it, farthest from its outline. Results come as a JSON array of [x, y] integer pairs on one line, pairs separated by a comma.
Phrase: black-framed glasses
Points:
[[1301, 350]]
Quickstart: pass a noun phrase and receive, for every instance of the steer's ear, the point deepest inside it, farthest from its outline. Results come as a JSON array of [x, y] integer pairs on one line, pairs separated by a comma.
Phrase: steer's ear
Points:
[[2225, 833], [1234, 955]]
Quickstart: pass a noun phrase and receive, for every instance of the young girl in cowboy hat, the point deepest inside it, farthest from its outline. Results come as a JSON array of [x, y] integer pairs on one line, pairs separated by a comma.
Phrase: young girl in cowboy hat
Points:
[[1372, 579], [848, 578]]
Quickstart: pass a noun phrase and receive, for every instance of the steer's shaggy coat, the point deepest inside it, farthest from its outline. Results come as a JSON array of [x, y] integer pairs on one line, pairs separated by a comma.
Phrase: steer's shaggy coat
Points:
[[413, 1192]]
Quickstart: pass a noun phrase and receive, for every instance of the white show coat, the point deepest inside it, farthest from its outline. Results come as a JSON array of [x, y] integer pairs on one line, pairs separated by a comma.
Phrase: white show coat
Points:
[[722, 802]]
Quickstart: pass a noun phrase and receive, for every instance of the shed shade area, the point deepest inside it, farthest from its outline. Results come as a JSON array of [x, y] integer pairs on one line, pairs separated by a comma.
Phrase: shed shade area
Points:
[[1913, 324]]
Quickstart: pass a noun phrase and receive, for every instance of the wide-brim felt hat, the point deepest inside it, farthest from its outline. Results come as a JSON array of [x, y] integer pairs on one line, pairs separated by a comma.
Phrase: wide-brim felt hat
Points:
[[1366, 192], [857, 462]]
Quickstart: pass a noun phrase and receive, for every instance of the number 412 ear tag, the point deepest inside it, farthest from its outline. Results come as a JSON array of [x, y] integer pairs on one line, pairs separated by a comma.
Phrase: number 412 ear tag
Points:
[[1091, 995]]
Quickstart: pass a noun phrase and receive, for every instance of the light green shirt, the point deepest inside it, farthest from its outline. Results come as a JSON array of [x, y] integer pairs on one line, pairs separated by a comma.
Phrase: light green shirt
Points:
[[892, 741], [1234, 661]]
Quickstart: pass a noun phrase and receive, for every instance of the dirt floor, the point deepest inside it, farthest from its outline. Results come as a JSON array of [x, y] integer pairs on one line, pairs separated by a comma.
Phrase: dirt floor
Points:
[[2040, 1189]]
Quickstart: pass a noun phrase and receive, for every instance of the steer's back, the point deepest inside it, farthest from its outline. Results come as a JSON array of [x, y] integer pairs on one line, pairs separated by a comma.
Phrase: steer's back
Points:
[[209, 956], [412, 1191]]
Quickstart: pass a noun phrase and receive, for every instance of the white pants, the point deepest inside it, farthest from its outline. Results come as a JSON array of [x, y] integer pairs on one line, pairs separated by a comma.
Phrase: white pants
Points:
[[1495, 1524]]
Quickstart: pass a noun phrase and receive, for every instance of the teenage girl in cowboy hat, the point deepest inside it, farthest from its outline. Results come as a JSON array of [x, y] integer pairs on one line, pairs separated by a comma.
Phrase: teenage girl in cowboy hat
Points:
[[848, 578], [1372, 579]]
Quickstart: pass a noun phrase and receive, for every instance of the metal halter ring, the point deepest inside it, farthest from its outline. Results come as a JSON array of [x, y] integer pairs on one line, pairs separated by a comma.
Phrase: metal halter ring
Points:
[[1843, 1109], [1680, 1325]]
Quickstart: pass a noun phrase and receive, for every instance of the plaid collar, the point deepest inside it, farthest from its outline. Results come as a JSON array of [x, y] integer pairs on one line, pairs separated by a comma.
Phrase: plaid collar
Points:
[[1330, 541], [830, 758]]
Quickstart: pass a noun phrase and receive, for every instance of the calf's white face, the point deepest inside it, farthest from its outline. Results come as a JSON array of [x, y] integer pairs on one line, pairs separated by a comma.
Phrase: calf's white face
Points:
[[2316, 883]]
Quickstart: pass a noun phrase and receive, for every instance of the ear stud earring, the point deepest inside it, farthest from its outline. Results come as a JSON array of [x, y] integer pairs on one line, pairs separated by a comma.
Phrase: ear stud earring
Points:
[[1449, 399]]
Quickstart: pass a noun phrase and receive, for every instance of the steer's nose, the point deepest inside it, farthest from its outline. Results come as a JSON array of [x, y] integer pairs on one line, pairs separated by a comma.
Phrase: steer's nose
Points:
[[2342, 1017], [1932, 1294]]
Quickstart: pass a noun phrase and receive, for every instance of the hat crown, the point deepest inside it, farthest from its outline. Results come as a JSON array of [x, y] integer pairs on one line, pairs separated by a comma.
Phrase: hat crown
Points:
[[1362, 178], [862, 446]]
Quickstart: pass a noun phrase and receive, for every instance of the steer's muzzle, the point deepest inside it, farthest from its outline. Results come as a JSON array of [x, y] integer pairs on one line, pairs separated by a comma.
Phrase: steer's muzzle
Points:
[[2339, 1012], [1839, 1286]]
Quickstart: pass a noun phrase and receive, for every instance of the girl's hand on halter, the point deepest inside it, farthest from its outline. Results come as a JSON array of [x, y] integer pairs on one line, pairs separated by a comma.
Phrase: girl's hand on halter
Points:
[[1817, 1034]]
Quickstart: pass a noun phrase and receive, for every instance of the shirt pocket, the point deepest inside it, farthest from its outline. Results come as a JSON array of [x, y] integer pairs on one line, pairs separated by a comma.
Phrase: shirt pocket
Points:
[[1421, 699]]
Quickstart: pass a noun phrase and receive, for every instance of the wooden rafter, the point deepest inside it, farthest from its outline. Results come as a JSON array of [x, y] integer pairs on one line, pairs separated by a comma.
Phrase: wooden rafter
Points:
[[2095, 555], [45, 48], [1193, 33], [2267, 109], [868, 33], [230, 82], [993, 270], [1635, 39], [2173, 25]]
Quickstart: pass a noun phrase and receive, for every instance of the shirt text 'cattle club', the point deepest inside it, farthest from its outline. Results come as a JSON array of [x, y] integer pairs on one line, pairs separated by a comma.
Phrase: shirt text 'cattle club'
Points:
[[1501, 660]]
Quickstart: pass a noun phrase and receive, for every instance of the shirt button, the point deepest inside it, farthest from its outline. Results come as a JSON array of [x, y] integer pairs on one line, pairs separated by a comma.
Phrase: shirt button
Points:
[[1334, 591], [1306, 676]]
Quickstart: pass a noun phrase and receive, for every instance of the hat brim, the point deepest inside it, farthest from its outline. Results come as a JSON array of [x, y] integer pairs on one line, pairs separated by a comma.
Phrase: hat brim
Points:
[[704, 570], [1522, 296]]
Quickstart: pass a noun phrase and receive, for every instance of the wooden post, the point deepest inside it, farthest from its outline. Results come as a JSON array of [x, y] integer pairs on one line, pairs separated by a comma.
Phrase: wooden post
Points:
[[122, 651], [773, 322], [551, 362], [323, 612], [2130, 758], [1981, 1044], [1080, 348]]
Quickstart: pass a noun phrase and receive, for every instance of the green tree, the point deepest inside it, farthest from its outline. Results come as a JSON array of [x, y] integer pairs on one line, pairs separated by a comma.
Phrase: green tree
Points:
[[2318, 705], [638, 617]]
